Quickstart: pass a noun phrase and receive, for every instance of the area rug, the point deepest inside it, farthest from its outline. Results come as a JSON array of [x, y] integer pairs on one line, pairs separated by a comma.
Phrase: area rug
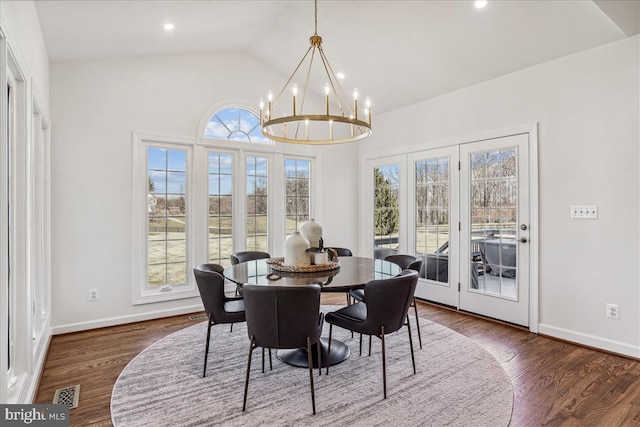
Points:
[[457, 383]]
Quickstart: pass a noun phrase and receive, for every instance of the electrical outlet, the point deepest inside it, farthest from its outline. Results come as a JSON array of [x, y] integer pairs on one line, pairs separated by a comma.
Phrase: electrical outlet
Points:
[[94, 294], [613, 311], [584, 211]]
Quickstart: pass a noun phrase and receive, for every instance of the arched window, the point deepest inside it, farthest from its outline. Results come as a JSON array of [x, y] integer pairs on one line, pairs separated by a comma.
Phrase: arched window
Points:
[[237, 124]]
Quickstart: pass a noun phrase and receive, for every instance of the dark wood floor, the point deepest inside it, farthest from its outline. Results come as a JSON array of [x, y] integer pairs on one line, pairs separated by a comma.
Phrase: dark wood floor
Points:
[[555, 383]]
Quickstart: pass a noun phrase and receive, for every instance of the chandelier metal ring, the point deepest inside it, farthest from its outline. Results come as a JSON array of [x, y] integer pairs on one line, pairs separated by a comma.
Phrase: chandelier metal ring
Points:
[[303, 127]]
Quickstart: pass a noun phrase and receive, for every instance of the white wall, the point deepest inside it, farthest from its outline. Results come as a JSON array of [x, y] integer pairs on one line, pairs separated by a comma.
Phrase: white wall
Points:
[[22, 27], [587, 109], [96, 105]]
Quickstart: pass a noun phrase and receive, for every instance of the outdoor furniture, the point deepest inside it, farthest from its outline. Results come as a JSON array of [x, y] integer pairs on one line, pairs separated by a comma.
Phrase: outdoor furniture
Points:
[[500, 254]]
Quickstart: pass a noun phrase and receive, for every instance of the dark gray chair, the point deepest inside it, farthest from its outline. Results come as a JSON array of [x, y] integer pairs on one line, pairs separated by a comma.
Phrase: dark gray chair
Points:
[[342, 251], [243, 256], [384, 312], [219, 308], [406, 262], [283, 317]]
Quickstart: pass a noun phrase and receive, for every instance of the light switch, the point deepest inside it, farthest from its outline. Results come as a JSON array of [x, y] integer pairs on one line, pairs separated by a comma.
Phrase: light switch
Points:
[[584, 211]]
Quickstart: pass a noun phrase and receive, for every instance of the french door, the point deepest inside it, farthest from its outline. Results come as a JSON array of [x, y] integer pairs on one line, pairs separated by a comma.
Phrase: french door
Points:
[[471, 222]]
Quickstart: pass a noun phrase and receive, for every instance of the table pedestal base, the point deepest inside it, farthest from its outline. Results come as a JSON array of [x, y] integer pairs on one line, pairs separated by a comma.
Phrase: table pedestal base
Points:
[[298, 356]]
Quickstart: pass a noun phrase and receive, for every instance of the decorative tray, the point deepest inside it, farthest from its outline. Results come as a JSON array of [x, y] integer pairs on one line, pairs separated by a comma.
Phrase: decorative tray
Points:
[[277, 264]]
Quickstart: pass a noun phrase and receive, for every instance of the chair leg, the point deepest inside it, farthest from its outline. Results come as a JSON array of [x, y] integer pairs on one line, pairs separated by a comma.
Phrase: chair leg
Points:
[[349, 302], [360, 344], [270, 361], [413, 359], [246, 381], [329, 349], [231, 328], [369, 345], [320, 358], [263, 360], [310, 360], [384, 363], [206, 349], [415, 308]]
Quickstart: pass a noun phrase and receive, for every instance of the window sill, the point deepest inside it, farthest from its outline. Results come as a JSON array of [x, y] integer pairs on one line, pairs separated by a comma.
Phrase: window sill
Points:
[[174, 293]]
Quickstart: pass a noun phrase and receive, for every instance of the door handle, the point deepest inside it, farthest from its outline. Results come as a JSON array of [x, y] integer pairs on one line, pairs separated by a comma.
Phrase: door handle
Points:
[[523, 240]]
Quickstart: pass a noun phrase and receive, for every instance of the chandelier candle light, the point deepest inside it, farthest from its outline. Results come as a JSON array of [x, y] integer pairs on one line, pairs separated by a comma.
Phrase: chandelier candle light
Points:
[[320, 128]]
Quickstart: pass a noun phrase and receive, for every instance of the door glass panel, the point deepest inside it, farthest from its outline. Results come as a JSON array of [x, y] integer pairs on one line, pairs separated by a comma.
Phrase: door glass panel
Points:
[[493, 228], [386, 210], [432, 217]]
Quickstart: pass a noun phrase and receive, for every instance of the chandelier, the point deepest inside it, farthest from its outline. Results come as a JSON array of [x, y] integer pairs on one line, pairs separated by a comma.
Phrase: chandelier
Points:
[[335, 121]]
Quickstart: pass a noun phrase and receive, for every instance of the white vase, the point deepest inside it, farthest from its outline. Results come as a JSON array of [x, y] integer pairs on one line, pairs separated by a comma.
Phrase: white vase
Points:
[[312, 231], [295, 250]]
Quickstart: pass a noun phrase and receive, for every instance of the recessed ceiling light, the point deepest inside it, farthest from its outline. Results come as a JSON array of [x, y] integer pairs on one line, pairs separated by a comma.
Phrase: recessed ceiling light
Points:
[[169, 26], [481, 3], [340, 75]]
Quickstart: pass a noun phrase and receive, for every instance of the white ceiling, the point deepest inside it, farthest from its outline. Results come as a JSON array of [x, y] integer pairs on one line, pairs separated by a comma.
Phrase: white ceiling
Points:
[[397, 52]]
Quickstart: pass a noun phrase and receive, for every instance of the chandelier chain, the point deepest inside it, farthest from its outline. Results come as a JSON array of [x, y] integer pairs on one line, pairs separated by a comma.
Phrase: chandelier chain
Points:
[[316, 17]]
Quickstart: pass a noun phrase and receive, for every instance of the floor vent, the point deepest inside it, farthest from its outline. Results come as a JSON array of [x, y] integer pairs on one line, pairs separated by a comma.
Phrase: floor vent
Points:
[[198, 316], [67, 396]]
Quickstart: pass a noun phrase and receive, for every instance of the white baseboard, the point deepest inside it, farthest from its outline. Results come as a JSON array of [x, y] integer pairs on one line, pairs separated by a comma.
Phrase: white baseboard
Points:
[[24, 390], [590, 340], [120, 320]]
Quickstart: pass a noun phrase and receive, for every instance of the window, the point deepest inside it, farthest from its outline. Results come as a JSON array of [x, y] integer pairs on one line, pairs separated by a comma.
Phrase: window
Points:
[[296, 180], [200, 200], [38, 236], [236, 124], [220, 207], [167, 217], [163, 247], [10, 300], [257, 203], [16, 195], [386, 210]]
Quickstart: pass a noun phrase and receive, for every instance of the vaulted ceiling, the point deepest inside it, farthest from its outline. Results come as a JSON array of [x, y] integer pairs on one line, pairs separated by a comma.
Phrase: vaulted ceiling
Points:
[[397, 52]]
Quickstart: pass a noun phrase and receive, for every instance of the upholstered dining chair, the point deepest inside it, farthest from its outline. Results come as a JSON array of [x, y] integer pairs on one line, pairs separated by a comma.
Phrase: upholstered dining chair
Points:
[[385, 311], [342, 251], [283, 317], [406, 262], [219, 307], [243, 256]]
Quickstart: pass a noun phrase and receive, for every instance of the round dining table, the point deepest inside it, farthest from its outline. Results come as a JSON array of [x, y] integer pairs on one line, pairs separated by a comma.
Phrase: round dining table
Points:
[[352, 273]]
